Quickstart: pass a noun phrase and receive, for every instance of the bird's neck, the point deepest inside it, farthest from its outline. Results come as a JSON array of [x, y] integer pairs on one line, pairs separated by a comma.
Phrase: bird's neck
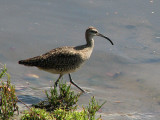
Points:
[[88, 47], [90, 41]]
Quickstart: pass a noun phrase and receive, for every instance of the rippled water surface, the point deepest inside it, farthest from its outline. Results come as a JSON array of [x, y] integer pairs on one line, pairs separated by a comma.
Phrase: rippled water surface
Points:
[[126, 75]]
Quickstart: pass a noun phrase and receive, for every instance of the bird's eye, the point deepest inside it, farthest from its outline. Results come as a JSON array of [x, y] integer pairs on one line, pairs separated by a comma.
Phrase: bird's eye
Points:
[[94, 31]]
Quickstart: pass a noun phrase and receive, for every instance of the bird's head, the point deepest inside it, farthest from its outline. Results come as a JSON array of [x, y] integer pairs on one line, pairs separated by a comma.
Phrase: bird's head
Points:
[[92, 31]]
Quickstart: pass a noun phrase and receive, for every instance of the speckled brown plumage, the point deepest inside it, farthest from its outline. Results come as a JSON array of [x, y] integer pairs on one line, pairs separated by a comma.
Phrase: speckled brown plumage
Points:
[[65, 60], [62, 60]]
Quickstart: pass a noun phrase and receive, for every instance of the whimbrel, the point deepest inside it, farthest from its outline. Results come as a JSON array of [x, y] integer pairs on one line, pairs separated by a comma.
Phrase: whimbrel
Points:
[[67, 59]]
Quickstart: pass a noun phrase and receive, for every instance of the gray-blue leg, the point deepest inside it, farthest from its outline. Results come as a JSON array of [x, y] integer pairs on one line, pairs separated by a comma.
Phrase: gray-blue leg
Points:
[[58, 79], [75, 83]]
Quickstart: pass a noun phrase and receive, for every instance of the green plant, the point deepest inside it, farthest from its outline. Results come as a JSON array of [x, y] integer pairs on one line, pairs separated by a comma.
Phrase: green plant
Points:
[[8, 99], [62, 114], [93, 108], [64, 98], [37, 114], [87, 113]]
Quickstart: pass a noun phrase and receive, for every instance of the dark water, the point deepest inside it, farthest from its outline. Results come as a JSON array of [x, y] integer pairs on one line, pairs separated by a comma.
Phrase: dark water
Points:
[[126, 74]]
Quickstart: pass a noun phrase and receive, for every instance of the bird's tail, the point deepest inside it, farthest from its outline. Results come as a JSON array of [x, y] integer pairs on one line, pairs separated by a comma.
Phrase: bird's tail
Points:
[[30, 62]]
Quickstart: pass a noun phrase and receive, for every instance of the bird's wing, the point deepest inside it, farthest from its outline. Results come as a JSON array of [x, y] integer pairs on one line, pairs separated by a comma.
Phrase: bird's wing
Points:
[[56, 58]]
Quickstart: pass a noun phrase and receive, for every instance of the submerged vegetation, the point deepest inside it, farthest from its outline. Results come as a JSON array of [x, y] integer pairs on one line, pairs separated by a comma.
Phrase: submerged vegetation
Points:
[[60, 103]]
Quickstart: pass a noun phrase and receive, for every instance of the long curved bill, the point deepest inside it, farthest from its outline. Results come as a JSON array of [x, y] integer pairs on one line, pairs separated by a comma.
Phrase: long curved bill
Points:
[[105, 38]]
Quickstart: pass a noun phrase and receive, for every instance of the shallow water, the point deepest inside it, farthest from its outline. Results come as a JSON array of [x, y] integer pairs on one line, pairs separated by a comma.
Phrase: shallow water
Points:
[[126, 75]]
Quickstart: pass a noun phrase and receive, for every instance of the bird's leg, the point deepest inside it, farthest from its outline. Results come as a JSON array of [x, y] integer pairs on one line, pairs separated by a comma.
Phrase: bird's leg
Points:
[[58, 79], [75, 83]]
